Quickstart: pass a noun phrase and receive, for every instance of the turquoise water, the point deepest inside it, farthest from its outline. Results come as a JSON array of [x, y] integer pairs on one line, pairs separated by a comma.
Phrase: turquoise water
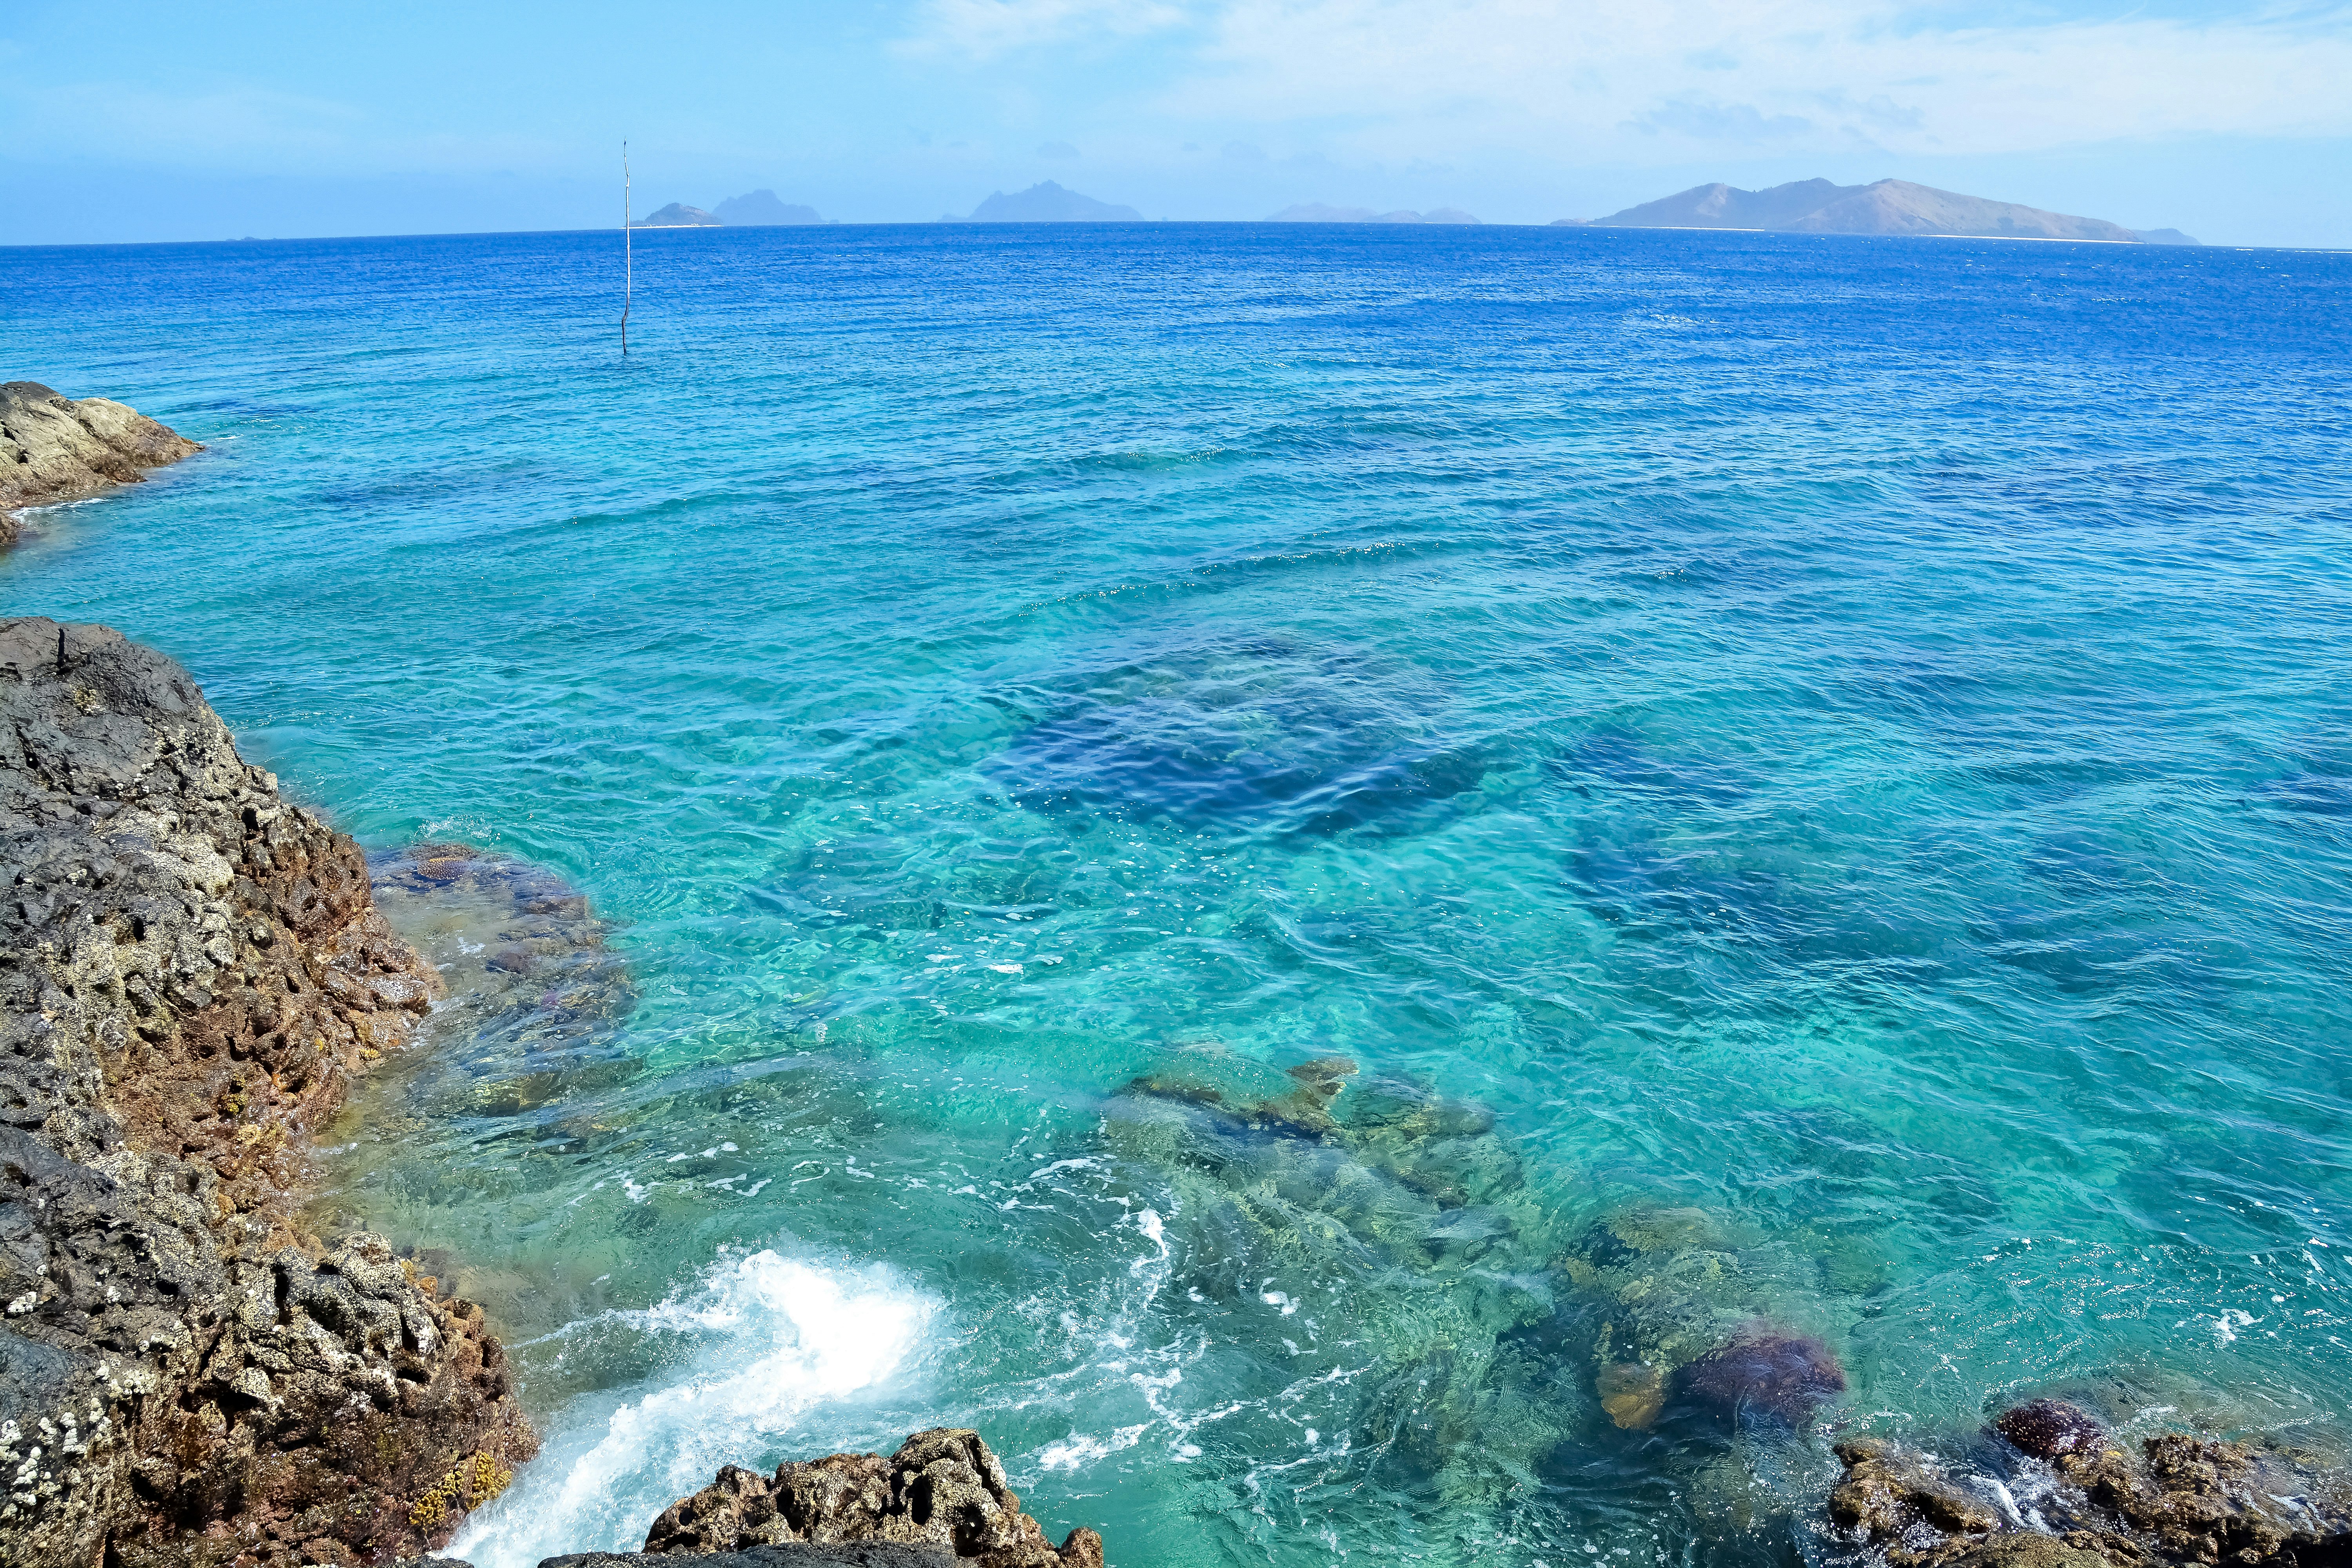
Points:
[[1829, 758]]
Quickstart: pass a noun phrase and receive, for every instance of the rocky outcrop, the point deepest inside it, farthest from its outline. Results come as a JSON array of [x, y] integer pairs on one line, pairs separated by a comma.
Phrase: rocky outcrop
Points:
[[53, 449], [192, 970], [2090, 1502], [942, 1491], [799, 1554]]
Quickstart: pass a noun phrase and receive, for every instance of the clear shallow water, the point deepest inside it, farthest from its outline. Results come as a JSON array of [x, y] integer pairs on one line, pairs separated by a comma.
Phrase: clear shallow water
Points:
[[1831, 756]]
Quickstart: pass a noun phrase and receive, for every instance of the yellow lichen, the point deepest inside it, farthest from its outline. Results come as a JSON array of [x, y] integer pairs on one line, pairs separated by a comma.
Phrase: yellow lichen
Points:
[[488, 1480], [474, 1482], [433, 1506]]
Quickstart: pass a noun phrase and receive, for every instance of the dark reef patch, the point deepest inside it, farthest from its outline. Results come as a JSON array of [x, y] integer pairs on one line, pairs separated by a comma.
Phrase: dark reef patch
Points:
[[1765, 1373], [1265, 734]]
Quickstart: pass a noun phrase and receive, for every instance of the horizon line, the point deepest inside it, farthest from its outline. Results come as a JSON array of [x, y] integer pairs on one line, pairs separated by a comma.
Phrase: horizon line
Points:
[[1566, 226]]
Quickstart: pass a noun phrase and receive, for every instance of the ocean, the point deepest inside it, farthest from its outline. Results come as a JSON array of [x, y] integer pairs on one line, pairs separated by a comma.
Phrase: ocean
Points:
[[1808, 779]]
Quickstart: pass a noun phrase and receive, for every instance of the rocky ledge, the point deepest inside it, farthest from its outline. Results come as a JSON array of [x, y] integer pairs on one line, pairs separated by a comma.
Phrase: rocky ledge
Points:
[[192, 970], [2049, 1485], [53, 449], [940, 1502]]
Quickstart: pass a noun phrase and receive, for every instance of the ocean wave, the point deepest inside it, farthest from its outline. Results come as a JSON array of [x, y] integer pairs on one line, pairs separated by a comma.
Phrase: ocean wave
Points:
[[771, 1337]]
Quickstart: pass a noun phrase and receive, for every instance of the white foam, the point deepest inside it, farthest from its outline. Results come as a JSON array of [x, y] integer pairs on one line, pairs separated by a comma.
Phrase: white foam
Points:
[[771, 1337]]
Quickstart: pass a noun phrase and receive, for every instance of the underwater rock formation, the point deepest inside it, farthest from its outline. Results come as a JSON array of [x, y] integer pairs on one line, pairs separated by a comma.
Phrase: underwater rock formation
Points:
[[536, 1000], [192, 970], [942, 1489], [1764, 1371], [53, 449], [2061, 1493], [1676, 1292]]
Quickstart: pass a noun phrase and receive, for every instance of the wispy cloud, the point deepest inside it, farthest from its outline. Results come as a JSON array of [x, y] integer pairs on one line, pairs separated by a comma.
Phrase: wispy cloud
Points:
[[1386, 77]]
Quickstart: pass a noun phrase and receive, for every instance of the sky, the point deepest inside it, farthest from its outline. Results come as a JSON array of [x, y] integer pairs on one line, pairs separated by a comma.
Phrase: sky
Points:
[[136, 121]]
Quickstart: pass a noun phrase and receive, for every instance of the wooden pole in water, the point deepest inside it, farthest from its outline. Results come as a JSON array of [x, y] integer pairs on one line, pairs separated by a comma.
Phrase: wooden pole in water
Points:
[[628, 251]]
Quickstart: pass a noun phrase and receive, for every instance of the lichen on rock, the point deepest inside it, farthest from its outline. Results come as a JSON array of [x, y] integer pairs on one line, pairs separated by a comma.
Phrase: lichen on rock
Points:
[[192, 970]]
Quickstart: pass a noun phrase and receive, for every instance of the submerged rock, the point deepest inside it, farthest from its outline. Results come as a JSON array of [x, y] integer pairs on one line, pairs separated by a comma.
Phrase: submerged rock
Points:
[[942, 1491], [537, 999], [192, 970], [2050, 1428], [53, 449], [1764, 1372], [1676, 1300]]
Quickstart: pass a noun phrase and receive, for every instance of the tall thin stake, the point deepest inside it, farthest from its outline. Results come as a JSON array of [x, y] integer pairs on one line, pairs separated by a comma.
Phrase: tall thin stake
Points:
[[628, 252]]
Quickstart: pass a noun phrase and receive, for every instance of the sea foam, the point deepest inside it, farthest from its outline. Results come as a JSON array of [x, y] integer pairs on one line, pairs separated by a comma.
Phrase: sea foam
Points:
[[768, 1339]]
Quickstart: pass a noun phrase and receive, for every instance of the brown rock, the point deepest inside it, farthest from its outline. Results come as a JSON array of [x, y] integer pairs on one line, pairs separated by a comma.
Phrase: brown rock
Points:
[[1632, 1394], [941, 1490], [2185, 1502], [2026, 1548], [53, 449], [1887, 1489], [192, 970]]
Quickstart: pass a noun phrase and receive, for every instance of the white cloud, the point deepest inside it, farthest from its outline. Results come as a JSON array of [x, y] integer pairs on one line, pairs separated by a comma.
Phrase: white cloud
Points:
[[1675, 78]]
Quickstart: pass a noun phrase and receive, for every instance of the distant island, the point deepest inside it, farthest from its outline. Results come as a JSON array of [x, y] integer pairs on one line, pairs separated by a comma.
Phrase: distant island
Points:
[[753, 209], [1889, 206], [677, 215], [1046, 203], [1316, 212], [761, 210]]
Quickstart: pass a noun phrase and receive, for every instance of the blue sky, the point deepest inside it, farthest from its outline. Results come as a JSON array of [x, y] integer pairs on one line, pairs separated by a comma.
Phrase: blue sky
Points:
[[136, 121]]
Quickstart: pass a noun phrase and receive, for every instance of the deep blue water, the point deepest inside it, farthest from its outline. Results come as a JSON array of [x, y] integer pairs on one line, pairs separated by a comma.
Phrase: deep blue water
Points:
[[1828, 759]]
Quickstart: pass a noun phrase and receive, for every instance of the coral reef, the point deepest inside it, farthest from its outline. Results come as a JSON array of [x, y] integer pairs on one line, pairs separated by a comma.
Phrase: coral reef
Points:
[[192, 970]]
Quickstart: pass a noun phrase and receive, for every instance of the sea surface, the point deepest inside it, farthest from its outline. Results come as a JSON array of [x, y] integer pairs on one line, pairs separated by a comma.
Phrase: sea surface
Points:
[[1810, 779]]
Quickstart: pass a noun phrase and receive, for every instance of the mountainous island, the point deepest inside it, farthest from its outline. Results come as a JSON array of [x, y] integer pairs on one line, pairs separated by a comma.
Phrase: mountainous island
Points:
[[753, 209], [1318, 212], [1046, 203], [1888, 206], [677, 215], [762, 209]]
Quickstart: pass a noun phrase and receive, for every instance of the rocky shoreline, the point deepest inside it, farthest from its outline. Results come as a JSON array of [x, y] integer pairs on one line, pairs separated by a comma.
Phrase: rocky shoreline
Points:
[[2048, 1485], [53, 449], [192, 970]]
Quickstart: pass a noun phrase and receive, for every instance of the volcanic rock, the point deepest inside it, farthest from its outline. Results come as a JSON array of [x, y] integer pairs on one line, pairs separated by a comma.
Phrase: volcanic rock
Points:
[[53, 449], [192, 970], [942, 1491]]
